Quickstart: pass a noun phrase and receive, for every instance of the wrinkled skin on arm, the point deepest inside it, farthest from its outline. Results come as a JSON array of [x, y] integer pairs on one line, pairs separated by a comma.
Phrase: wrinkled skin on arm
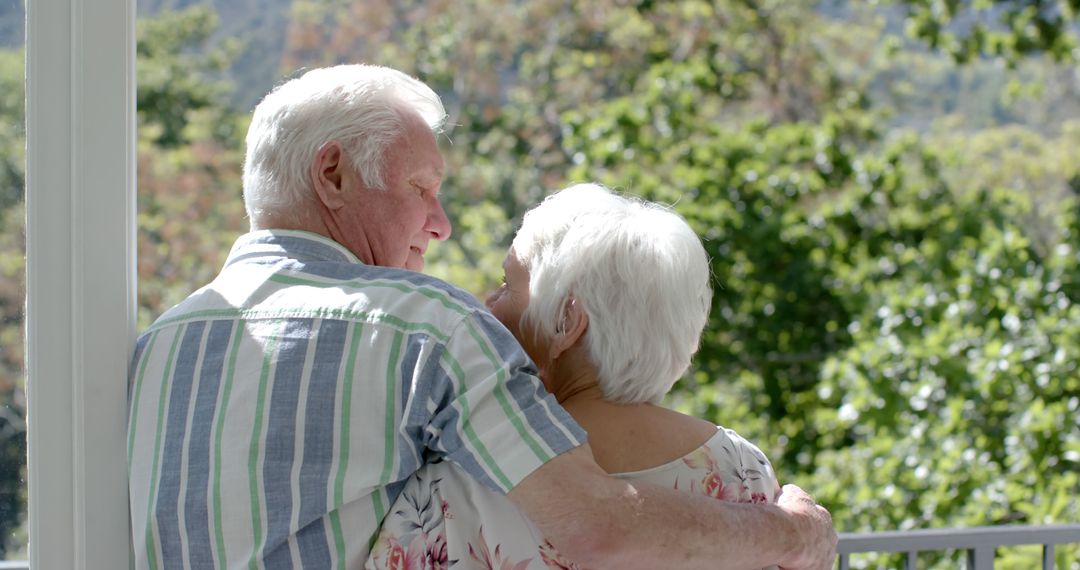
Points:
[[603, 522]]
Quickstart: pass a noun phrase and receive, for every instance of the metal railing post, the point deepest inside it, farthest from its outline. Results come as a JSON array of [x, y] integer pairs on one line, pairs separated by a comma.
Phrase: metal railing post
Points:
[[1048, 557], [980, 558]]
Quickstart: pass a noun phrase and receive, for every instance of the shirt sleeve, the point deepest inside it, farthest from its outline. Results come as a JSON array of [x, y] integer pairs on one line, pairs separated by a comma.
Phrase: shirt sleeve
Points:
[[489, 413]]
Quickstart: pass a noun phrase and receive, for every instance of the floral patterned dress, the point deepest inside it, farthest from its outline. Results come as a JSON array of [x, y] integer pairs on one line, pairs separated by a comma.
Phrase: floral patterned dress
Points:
[[443, 519]]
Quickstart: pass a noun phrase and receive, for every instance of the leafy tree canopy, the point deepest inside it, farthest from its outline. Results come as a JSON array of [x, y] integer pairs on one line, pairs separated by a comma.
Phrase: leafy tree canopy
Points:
[[1009, 29]]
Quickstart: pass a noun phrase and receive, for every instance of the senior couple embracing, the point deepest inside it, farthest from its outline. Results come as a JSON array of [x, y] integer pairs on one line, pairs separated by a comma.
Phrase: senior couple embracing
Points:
[[322, 403]]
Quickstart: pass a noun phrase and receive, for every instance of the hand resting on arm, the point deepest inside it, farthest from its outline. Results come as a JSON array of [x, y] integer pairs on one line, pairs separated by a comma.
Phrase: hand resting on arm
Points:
[[604, 522]]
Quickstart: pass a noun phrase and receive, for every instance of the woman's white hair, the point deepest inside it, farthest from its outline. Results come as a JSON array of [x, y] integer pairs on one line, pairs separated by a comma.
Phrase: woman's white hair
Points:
[[638, 270], [363, 107]]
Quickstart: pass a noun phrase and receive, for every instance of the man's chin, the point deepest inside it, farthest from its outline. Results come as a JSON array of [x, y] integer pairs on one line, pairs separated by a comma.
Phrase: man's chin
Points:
[[415, 263]]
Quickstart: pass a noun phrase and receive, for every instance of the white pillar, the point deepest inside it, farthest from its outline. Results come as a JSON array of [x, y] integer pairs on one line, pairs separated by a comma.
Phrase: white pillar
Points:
[[80, 246]]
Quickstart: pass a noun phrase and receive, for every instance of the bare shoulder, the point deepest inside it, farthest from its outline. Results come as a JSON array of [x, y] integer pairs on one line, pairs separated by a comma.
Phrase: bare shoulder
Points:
[[680, 430], [633, 438]]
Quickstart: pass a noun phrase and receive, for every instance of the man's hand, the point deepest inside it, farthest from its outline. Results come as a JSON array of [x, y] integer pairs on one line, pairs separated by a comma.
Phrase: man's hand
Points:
[[602, 522], [815, 546]]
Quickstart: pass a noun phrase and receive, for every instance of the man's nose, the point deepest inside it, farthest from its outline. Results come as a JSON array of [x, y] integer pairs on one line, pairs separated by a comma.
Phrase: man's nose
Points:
[[437, 222]]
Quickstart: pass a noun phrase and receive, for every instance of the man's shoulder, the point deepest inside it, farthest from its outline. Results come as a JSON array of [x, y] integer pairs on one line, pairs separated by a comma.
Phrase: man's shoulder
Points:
[[326, 289], [395, 291], [271, 276]]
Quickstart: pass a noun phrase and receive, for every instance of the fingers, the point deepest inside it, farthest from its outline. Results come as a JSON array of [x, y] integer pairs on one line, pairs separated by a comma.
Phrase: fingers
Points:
[[816, 538], [792, 492]]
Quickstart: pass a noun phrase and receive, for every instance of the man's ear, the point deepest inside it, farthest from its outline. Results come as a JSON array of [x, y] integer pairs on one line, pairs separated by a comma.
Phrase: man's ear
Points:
[[327, 175], [573, 323]]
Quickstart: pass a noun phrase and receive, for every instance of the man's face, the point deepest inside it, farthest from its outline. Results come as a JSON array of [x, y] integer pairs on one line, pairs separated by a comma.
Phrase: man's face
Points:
[[392, 227]]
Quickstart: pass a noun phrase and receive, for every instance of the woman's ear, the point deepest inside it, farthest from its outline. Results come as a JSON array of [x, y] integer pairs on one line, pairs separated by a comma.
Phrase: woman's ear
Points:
[[573, 323]]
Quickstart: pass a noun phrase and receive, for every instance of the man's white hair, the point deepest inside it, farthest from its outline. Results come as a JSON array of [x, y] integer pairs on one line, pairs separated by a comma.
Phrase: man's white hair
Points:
[[363, 107], [638, 270]]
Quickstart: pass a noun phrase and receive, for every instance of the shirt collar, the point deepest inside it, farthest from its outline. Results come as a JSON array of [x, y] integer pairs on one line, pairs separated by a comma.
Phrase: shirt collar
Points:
[[294, 244]]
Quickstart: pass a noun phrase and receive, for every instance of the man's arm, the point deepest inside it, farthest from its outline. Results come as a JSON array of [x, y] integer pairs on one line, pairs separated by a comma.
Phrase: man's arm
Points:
[[603, 522]]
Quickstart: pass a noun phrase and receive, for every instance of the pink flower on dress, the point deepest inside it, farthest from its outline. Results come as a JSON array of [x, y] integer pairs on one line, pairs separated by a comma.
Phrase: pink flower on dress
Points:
[[424, 552], [437, 556], [400, 558], [712, 482], [714, 485], [489, 560], [554, 559]]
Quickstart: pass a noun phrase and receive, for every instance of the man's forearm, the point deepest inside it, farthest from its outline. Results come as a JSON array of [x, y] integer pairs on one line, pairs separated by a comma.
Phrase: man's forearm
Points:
[[689, 532], [603, 522], [663, 528]]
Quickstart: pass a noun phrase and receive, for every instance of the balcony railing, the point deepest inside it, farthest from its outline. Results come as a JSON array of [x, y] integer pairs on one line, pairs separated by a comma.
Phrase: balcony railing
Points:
[[980, 543]]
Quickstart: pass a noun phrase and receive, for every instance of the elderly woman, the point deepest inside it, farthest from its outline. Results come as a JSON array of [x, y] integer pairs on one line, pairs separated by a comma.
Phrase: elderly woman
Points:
[[608, 295]]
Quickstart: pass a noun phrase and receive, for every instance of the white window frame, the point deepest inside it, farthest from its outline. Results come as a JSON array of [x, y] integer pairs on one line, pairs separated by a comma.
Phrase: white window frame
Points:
[[80, 278]]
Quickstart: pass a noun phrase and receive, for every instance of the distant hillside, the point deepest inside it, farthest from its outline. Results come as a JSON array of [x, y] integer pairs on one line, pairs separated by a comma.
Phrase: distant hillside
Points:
[[918, 86], [260, 24], [12, 23]]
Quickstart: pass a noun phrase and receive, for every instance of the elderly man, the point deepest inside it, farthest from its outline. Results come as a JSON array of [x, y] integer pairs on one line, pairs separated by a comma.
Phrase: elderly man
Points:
[[277, 411]]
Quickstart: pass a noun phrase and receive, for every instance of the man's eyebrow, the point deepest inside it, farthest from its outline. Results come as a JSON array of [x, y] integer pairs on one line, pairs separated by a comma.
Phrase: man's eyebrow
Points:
[[434, 171], [429, 176]]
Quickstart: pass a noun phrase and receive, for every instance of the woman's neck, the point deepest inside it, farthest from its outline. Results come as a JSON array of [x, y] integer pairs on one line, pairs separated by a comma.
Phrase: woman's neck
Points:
[[571, 378], [581, 389], [623, 437], [575, 383]]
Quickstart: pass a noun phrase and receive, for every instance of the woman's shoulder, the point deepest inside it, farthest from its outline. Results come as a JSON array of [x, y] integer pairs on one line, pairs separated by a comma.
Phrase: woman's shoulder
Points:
[[639, 437], [726, 466]]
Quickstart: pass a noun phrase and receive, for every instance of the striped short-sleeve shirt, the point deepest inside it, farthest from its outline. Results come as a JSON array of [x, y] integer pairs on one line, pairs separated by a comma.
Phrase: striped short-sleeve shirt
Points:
[[277, 412]]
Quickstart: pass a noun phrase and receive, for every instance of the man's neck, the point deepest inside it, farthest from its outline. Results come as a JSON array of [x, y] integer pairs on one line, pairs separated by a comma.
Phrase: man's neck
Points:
[[298, 222]]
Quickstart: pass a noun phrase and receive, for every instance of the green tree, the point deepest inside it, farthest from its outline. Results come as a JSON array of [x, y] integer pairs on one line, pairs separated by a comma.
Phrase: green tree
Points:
[[190, 158], [12, 129], [12, 294], [178, 74], [1009, 29], [895, 342], [508, 83]]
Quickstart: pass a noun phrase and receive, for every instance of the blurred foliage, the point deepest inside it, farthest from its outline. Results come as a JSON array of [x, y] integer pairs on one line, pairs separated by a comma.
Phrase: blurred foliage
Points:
[[178, 74], [12, 294], [190, 201], [895, 237], [12, 128], [1007, 29]]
